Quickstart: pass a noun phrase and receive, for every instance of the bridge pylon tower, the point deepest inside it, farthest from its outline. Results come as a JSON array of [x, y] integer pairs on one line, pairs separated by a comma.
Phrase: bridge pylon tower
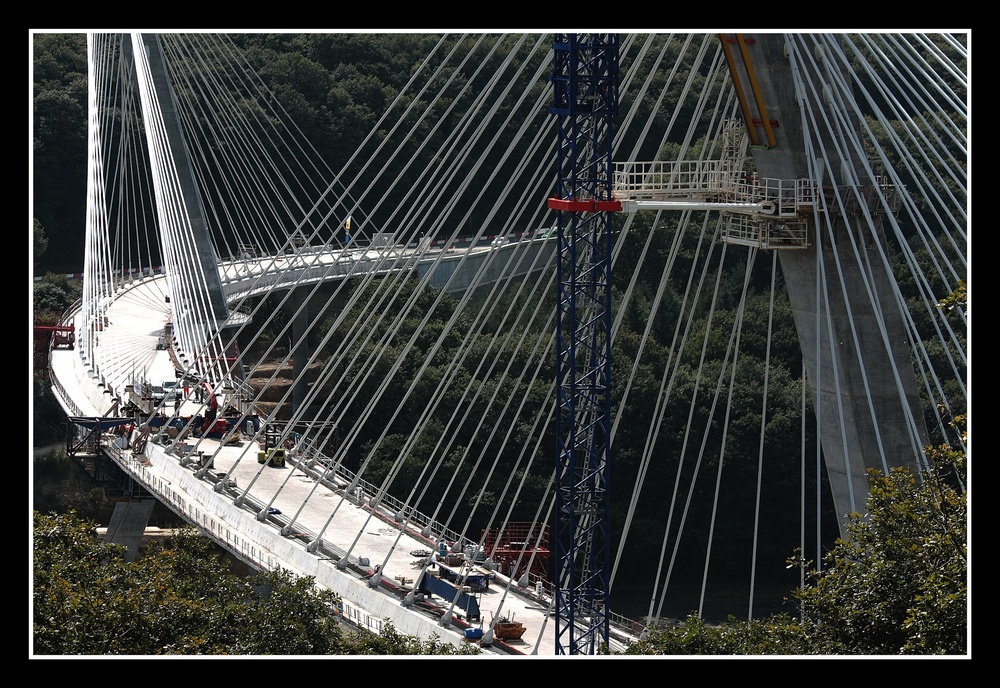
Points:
[[198, 301], [848, 317]]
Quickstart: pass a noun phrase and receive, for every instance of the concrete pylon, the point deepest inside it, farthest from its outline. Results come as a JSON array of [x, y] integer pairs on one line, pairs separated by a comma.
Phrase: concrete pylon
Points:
[[192, 267], [849, 321], [128, 523]]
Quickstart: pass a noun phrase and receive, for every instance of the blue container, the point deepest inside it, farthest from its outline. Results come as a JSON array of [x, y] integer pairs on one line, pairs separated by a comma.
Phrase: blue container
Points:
[[473, 633]]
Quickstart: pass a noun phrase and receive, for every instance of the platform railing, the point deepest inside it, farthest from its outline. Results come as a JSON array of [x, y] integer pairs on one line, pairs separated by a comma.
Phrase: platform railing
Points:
[[636, 180], [394, 508]]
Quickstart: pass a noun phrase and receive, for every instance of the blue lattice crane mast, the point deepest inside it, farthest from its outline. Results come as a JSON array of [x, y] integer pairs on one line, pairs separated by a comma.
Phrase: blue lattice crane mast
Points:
[[585, 81]]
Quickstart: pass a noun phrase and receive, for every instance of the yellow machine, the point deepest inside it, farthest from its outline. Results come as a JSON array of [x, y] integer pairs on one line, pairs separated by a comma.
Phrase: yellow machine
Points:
[[272, 457]]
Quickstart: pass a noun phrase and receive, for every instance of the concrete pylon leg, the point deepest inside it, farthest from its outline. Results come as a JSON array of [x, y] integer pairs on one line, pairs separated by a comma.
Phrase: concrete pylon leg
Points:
[[849, 322], [128, 523], [860, 380]]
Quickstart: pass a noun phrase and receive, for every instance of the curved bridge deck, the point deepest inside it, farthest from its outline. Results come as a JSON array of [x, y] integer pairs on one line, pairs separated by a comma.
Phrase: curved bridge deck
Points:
[[298, 517]]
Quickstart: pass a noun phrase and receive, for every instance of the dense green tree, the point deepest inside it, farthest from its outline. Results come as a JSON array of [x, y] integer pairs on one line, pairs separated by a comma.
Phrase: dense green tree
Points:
[[776, 635], [60, 486], [182, 598], [40, 242], [59, 146], [49, 297], [178, 599], [895, 585], [52, 295]]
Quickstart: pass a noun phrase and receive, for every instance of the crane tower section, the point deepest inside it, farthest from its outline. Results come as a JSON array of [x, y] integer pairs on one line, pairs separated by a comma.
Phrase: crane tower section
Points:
[[585, 81]]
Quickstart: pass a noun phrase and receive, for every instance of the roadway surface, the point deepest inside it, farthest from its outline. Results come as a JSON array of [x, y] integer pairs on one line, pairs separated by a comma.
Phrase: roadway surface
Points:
[[230, 499]]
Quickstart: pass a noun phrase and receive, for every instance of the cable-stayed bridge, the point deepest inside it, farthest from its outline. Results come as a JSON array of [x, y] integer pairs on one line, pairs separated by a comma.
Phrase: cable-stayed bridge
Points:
[[370, 350]]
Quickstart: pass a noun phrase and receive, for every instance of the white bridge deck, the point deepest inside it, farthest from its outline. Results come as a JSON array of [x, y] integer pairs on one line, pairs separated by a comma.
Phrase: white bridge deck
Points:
[[229, 500]]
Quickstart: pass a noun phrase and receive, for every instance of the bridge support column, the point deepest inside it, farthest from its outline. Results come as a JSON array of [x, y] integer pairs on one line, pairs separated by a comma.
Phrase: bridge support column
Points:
[[191, 265], [862, 384], [128, 523], [849, 321]]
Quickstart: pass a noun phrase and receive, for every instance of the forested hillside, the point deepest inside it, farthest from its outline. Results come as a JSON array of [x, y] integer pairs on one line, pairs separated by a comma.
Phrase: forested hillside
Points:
[[336, 87]]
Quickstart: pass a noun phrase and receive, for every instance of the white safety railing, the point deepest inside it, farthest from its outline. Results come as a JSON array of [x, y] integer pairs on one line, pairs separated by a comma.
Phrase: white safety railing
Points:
[[651, 180]]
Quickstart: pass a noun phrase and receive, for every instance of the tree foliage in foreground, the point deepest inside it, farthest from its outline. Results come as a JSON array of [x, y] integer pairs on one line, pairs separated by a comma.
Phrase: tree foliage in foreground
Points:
[[181, 598], [895, 585]]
